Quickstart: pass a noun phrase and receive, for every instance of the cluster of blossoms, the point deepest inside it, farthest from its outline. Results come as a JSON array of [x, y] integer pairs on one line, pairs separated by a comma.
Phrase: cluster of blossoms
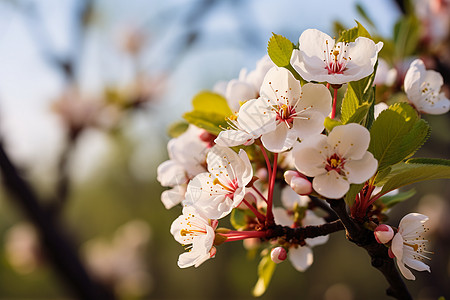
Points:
[[277, 128]]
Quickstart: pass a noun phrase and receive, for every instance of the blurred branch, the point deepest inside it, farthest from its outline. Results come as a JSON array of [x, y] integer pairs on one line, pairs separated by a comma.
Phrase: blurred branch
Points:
[[59, 250], [378, 252]]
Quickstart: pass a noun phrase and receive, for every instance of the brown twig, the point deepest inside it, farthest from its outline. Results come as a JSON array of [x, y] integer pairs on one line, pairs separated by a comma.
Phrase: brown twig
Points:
[[379, 253]]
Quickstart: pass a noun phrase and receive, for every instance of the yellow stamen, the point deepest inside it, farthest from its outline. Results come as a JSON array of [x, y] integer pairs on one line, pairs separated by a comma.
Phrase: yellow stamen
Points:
[[217, 181], [414, 246]]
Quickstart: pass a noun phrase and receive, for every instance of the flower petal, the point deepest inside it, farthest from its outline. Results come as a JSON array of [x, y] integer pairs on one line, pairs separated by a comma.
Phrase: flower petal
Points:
[[416, 264], [280, 86], [174, 196], [397, 246], [316, 96], [411, 223], [171, 173], [256, 117], [289, 197], [278, 141], [232, 138], [405, 271], [311, 219], [350, 140], [282, 217], [301, 258], [331, 185], [358, 171]]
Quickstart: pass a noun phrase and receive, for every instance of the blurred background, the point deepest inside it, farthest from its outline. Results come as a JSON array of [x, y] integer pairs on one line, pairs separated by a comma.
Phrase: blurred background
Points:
[[88, 89]]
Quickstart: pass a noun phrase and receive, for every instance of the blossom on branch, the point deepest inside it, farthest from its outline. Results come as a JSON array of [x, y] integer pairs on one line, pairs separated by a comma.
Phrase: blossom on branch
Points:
[[298, 112], [409, 245], [423, 87], [216, 192], [337, 160], [319, 58], [196, 231]]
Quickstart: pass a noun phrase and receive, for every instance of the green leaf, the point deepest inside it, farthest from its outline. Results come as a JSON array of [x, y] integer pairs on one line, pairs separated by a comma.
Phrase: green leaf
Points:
[[178, 128], [390, 201], [238, 219], [280, 50], [363, 14], [358, 99], [266, 268], [406, 36], [330, 123], [350, 35], [352, 192], [407, 173], [396, 134], [430, 161], [210, 112]]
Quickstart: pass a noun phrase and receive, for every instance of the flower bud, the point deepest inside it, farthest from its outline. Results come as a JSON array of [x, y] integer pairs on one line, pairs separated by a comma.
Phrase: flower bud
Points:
[[298, 182], [383, 233], [278, 254]]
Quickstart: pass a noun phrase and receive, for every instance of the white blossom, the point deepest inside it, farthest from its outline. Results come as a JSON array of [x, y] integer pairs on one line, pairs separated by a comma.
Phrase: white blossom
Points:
[[216, 192], [337, 160], [409, 245], [293, 111], [423, 87], [187, 154], [319, 58], [197, 232]]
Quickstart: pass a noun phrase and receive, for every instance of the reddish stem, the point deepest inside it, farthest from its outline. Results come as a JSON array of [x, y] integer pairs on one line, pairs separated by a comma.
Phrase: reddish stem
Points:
[[259, 193], [263, 150], [260, 216], [242, 235], [333, 111], [269, 214]]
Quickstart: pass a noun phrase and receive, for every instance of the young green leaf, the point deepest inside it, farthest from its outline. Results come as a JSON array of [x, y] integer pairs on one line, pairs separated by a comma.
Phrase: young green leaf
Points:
[[210, 112], [238, 219], [266, 268], [330, 123], [350, 35], [178, 128], [280, 50]]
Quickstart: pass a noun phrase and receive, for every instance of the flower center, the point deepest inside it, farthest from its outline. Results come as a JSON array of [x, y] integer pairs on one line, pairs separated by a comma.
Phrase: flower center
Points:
[[337, 58], [229, 186], [286, 114], [429, 94], [334, 162]]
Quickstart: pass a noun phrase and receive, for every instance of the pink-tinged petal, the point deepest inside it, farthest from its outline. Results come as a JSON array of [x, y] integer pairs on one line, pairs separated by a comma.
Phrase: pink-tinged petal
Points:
[[358, 171], [411, 223], [282, 217], [245, 168], [397, 246], [331, 185], [174, 196], [232, 138], [383, 233], [416, 264], [171, 173], [434, 79], [277, 141], [280, 86], [316, 97], [278, 254], [215, 207], [405, 271], [301, 258], [350, 141], [256, 117]]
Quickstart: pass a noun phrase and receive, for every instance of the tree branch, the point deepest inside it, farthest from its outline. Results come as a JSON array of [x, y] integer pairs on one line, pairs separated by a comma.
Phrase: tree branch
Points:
[[379, 253], [299, 234], [59, 250]]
